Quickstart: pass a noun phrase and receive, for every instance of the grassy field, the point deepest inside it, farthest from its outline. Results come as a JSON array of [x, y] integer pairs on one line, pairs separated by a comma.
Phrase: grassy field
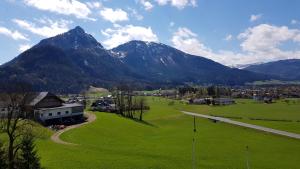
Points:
[[279, 115], [113, 142]]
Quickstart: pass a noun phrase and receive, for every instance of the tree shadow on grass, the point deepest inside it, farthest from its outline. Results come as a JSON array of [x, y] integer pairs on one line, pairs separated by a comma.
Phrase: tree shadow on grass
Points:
[[133, 119], [144, 122], [139, 121]]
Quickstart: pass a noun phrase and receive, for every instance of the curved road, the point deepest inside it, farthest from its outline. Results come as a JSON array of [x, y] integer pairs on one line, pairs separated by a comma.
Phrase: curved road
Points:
[[256, 127], [55, 137]]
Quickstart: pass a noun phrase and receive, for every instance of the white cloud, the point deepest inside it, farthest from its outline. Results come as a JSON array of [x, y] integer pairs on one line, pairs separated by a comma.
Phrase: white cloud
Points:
[[255, 17], [264, 41], [187, 41], [146, 4], [94, 5], [171, 24], [66, 7], [16, 35], [162, 2], [259, 44], [228, 37], [24, 47], [294, 22], [180, 4], [120, 35], [135, 14], [267, 38], [114, 15], [50, 28]]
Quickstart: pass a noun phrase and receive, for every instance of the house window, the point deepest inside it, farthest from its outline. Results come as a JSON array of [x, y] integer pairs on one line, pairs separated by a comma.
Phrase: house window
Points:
[[67, 112], [50, 114], [58, 113], [3, 109], [42, 115]]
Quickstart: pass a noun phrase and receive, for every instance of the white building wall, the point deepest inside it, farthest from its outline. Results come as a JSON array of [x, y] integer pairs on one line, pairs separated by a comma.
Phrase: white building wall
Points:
[[55, 113]]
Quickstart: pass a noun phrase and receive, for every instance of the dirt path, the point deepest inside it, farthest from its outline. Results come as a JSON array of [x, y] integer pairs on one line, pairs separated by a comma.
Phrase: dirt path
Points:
[[55, 137], [256, 127]]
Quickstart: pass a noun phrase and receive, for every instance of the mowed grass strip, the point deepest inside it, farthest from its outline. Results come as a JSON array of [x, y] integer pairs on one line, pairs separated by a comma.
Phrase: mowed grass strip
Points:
[[113, 142]]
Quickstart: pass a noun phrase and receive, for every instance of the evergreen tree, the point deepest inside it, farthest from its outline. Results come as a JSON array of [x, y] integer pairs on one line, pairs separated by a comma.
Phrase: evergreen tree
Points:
[[28, 155], [3, 160]]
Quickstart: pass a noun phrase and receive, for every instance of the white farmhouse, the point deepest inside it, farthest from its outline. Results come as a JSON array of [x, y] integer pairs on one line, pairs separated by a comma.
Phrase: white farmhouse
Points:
[[48, 108]]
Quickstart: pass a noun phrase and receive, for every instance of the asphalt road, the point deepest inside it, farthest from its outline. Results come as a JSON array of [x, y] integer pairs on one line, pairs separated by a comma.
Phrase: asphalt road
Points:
[[256, 127]]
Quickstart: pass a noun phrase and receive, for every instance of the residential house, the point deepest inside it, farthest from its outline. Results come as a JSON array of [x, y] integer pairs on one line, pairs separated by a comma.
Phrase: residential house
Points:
[[105, 104], [48, 108]]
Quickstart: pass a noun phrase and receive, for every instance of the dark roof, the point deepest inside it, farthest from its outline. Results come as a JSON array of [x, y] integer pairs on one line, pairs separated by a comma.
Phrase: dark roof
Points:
[[31, 98], [37, 97]]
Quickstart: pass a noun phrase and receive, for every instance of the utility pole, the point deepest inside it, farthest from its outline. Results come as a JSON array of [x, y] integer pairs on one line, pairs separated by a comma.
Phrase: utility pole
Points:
[[194, 145], [247, 157]]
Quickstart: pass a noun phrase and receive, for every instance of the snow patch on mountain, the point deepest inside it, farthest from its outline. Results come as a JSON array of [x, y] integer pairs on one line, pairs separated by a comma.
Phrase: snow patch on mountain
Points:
[[163, 62], [119, 55], [86, 63]]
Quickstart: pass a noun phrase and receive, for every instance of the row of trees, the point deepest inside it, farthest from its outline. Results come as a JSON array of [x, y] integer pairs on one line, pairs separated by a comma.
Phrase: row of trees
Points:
[[211, 91], [17, 150], [129, 105]]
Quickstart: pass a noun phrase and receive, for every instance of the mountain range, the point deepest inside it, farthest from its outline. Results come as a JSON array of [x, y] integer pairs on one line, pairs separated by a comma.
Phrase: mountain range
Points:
[[73, 61], [283, 69]]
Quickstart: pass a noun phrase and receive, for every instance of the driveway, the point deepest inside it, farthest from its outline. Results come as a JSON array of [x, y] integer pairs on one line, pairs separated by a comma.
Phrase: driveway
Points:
[[55, 137]]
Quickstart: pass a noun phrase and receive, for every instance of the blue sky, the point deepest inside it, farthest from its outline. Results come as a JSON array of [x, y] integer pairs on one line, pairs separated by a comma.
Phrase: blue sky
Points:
[[232, 32]]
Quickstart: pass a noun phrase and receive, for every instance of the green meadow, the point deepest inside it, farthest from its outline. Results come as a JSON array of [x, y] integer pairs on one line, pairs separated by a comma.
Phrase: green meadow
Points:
[[280, 115], [165, 140]]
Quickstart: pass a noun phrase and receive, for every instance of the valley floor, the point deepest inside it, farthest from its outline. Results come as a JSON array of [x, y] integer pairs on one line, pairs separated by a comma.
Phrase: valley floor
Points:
[[113, 142]]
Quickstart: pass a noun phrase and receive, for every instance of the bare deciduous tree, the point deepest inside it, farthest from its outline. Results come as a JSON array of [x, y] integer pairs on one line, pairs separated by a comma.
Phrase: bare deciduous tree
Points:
[[13, 122], [128, 103], [142, 106]]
